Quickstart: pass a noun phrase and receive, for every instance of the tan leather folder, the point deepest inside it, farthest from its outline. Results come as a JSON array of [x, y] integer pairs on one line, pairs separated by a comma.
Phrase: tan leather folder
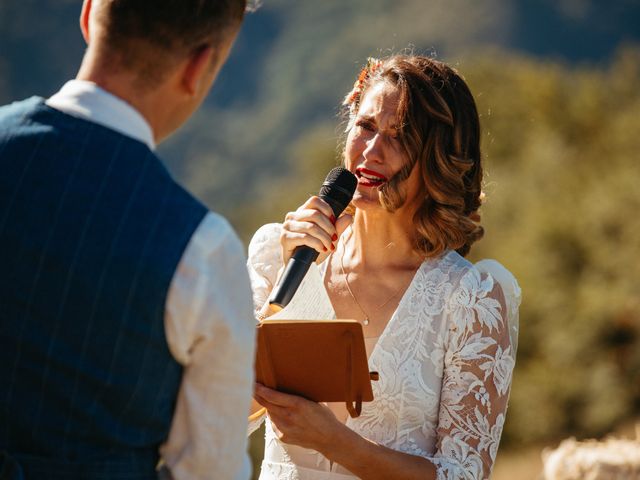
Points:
[[322, 360]]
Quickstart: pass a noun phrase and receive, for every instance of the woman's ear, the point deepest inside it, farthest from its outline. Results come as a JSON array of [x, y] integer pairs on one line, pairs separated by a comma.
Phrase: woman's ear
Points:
[[196, 69], [84, 20]]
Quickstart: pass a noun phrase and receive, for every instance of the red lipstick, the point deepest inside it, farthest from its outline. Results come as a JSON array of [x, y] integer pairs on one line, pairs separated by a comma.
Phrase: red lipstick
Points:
[[369, 178]]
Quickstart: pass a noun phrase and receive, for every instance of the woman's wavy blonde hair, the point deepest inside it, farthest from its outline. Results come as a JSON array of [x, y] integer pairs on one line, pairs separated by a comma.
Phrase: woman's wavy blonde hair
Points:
[[440, 134]]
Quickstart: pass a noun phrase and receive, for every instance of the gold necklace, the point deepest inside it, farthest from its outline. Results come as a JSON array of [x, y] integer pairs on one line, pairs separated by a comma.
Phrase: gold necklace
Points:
[[366, 320]]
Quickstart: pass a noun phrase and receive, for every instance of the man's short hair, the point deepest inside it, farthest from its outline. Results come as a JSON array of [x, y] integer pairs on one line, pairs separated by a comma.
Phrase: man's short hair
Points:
[[145, 35]]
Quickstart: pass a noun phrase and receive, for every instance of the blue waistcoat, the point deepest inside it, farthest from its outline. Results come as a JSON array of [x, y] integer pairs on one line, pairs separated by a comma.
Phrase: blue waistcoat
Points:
[[92, 228]]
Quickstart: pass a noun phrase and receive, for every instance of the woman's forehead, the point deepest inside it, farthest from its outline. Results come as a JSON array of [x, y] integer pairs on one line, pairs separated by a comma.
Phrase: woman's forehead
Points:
[[380, 102]]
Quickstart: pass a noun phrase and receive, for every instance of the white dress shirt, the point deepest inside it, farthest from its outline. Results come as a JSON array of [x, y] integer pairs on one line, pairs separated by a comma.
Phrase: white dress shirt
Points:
[[209, 323]]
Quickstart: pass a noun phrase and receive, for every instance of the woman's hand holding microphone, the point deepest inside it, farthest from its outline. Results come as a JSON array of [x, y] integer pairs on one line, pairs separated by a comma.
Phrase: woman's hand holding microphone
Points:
[[313, 224]]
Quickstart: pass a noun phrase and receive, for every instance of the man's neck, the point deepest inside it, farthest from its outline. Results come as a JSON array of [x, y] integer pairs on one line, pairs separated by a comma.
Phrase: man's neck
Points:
[[121, 84]]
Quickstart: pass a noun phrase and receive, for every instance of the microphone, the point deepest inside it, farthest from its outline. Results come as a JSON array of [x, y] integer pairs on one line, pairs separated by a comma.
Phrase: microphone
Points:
[[337, 190]]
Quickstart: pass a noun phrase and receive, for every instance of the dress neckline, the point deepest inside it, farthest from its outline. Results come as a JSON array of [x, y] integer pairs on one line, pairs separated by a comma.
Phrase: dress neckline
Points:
[[427, 263]]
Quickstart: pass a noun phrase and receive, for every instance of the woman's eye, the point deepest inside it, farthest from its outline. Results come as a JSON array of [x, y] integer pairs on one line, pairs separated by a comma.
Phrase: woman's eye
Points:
[[394, 139], [364, 125]]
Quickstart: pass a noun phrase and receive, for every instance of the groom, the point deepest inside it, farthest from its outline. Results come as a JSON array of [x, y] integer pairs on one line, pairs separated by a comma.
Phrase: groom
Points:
[[126, 329]]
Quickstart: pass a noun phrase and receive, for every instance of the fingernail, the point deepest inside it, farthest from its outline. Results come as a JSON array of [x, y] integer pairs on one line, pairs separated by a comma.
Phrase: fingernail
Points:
[[332, 218], [325, 249], [335, 237], [333, 247]]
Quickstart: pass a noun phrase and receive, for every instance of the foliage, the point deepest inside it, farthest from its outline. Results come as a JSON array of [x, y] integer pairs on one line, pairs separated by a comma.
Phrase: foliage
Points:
[[562, 148]]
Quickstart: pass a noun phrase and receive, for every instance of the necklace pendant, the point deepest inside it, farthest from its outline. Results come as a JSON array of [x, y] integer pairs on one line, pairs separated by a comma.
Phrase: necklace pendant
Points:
[[365, 321]]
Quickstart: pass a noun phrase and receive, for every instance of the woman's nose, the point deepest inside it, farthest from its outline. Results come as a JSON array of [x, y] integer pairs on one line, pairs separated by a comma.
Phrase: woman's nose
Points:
[[374, 149]]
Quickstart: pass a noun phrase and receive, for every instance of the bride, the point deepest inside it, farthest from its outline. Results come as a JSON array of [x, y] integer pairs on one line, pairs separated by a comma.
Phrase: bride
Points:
[[441, 331]]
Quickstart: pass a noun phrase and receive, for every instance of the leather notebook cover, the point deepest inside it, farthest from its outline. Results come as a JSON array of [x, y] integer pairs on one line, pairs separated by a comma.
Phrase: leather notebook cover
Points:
[[323, 360]]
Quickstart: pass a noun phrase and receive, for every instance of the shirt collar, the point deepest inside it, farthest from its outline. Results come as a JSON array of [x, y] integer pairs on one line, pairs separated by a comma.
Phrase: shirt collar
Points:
[[88, 101]]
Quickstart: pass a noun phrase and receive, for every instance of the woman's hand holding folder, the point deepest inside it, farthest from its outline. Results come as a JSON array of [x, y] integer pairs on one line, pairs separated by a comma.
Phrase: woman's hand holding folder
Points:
[[300, 421]]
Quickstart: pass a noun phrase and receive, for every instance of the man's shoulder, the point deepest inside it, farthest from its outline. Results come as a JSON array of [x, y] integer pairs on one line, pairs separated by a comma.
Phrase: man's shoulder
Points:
[[17, 106], [16, 112]]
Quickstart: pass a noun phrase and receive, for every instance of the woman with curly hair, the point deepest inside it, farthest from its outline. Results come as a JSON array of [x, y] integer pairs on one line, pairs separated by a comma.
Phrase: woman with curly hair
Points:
[[440, 331]]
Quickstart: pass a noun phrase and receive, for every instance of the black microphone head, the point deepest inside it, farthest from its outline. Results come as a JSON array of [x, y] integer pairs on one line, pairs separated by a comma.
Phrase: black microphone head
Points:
[[338, 189]]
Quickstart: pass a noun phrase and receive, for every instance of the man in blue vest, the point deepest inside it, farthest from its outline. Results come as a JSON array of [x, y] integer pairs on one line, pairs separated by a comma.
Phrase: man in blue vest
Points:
[[126, 328]]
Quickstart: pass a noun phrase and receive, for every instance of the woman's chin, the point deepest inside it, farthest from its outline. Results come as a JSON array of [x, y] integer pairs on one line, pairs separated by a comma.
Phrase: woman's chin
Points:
[[366, 200]]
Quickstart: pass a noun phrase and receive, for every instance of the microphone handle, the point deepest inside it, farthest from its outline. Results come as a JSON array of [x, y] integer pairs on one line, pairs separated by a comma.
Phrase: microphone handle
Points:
[[296, 269], [298, 265]]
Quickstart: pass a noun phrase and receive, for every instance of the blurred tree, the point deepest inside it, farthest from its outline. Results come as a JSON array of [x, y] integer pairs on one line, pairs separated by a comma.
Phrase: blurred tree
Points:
[[562, 213]]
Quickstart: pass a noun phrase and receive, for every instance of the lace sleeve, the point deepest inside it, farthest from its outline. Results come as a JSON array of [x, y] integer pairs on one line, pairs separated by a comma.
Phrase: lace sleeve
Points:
[[512, 295], [479, 363], [264, 262]]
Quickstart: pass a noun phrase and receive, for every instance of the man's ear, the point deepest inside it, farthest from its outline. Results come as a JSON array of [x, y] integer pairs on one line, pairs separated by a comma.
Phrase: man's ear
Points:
[[84, 19], [196, 69]]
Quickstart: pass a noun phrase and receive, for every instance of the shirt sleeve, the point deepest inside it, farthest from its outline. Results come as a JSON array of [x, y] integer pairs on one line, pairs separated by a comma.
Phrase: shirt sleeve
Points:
[[479, 362], [210, 331]]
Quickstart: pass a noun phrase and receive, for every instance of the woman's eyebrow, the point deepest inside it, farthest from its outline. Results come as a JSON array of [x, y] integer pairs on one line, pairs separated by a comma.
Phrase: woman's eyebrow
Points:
[[368, 118], [395, 128]]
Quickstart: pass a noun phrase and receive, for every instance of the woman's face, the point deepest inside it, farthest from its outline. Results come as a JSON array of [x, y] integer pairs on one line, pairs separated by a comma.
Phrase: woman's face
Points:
[[373, 151]]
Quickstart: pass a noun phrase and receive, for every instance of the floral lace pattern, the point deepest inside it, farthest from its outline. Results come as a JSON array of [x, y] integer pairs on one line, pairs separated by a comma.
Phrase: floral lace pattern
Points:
[[445, 360]]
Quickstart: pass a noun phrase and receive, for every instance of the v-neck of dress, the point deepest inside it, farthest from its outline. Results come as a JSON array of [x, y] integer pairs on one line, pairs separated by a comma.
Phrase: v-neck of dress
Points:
[[393, 319]]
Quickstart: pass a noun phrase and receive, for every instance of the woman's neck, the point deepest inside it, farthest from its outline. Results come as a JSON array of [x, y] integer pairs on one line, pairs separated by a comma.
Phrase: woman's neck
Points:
[[381, 240]]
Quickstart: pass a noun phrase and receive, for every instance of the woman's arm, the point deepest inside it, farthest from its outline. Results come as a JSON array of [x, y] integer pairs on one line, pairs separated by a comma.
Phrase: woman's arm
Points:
[[478, 367], [272, 245]]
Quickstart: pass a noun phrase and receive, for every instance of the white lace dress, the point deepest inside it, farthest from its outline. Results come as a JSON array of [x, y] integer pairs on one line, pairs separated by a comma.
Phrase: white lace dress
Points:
[[445, 360]]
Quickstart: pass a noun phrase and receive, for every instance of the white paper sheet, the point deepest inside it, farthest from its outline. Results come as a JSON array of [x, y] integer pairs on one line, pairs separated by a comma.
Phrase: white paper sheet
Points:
[[310, 302]]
